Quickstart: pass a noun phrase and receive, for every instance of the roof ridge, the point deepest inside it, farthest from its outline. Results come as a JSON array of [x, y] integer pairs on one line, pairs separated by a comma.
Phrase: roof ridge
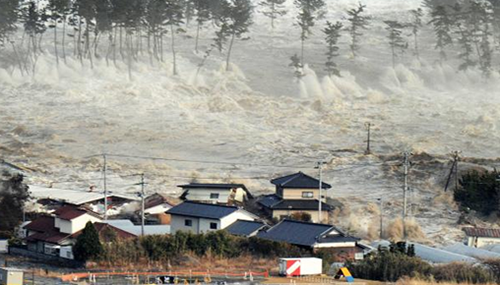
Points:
[[209, 204]]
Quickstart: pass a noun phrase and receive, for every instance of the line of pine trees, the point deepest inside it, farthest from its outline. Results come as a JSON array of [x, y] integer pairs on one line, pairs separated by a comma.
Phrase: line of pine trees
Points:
[[128, 29]]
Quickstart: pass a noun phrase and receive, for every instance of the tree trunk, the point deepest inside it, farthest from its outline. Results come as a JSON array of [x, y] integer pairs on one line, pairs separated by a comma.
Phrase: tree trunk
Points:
[[17, 58], [161, 47], [229, 51], [40, 43], [417, 53], [129, 60], [79, 44], [114, 47], [173, 49], [63, 40], [121, 41], [302, 51], [55, 43], [197, 37]]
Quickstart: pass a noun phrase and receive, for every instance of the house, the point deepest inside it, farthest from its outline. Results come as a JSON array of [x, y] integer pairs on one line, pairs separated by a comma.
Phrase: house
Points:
[[315, 237], [55, 235], [296, 193], [128, 226], [200, 217], [155, 208], [53, 198], [479, 237], [246, 228], [218, 193]]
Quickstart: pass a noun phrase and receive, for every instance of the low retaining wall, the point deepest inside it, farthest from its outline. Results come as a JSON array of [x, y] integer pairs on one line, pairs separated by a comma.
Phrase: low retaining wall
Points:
[[54, 260]]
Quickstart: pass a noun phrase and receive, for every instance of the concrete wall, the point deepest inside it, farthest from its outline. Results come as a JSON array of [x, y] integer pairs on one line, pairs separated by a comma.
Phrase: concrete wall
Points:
[[3, 245], [278, 214], [11, 277], [53, 260]]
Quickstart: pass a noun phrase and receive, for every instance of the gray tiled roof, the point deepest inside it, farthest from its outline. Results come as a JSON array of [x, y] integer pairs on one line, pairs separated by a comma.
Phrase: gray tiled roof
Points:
[[296, 232], [299, 180], [213, 185], [482, 232], [274, 202], [201, 210], [244, 228], [269, 200]]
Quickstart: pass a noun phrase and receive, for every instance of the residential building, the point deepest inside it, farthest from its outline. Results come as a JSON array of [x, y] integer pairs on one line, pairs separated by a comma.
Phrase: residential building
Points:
[[200, 217], [128, 226], [479, 237], [155, 208], [53, 198], [246, 228], [296, 193], [316, 237], [218, 193], [55, 235]]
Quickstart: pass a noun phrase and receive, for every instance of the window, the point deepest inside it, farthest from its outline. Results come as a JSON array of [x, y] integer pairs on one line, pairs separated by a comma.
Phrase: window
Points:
[[214, 195], [213, 226], [307, 194], [188, 223]]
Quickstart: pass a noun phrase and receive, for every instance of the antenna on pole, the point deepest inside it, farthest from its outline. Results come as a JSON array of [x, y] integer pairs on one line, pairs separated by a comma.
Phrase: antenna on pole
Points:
[[368, 130], [406, 164], [319, 166], [381, 209], [142, 204], [453, 170], [104, 169]]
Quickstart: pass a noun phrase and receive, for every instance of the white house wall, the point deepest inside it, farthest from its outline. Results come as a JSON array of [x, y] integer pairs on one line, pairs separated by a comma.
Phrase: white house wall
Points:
[[335, 244], [177, 223], [482, 241], [238, 215], [204, 195], [205, 225], [76, 224]]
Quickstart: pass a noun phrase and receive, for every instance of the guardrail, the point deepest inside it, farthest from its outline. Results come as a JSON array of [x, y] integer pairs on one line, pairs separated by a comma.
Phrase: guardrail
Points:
[[85, 275]]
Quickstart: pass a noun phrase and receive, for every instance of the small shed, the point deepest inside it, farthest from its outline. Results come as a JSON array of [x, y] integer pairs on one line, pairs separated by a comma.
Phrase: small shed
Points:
[[11, 276]]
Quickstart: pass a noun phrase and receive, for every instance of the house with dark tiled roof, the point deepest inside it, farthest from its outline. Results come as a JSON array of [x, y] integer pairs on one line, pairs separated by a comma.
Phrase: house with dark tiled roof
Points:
[[296, 193], [315, 237], [218, 193], [201, 217], [479, 237], [56, 234]]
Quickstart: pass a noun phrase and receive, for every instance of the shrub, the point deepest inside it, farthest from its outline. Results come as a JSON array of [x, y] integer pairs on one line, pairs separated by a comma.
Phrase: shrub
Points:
[[463, 273], [479, 191], [389, 265]]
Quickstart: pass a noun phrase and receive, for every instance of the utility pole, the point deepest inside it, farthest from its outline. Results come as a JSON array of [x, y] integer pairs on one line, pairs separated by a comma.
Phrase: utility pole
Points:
[[105, 188], [406, 164], [319, 166], [381, 209], [456, 158], [368, 130], [142, 204]]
